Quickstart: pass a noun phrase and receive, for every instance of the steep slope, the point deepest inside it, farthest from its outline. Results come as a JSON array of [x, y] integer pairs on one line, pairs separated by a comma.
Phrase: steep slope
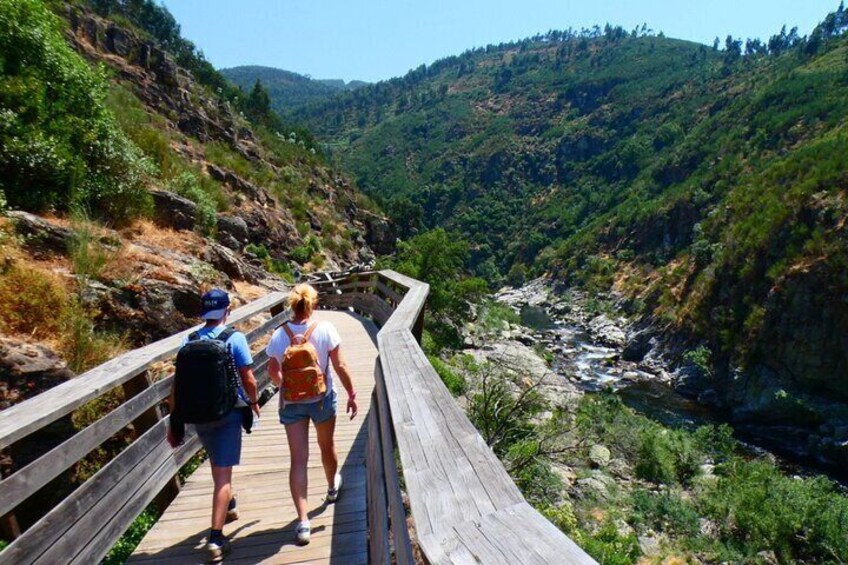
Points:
[[288, 91], [708, 186], [140, 185]]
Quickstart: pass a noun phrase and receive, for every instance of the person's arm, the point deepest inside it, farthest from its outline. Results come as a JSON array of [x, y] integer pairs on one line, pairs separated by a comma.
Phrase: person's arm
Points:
[[341, 369], [274, 372], [248, 382]]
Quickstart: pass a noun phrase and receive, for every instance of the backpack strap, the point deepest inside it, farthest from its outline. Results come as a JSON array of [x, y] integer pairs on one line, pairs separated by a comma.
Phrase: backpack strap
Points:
[[226, 335], [289, 332], [309, 330], [193, 336]]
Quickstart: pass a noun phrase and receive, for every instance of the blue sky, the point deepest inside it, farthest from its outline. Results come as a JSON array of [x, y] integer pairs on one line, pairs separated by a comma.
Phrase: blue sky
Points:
[[379, 39]]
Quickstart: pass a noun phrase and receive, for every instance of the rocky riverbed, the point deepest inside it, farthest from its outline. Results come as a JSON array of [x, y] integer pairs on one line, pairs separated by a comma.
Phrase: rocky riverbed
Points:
[[589, 350]]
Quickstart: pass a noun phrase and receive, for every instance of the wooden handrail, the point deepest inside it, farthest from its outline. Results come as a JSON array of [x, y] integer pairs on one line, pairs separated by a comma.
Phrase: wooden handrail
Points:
[[85, 525], [465, 506]]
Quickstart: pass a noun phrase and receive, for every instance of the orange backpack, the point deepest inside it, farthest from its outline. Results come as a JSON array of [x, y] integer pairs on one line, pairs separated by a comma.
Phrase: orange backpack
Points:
[[302, 375]]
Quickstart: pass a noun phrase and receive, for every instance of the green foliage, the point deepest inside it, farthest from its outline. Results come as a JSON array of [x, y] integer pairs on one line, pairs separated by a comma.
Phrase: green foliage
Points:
[[88, 255], [610, 547], [493, 315], [127, 543], [453, 380], [82, 345], [307, 252], [664, 511], [202, 191], [667, 456], [759, 508], [277, 266], [60, 145]]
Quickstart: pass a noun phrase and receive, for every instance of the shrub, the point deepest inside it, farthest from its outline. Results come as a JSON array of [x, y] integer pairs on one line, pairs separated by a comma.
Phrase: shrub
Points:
[[664, 511], [610, 547], [32, 302], [761, 509], [82, 346], [59, 145], [454, 381], [667, 456], [127, 543], [188, 184], [88, 256]]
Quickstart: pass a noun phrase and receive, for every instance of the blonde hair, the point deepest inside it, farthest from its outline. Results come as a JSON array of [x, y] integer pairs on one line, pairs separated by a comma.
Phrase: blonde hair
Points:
[[302, 300]]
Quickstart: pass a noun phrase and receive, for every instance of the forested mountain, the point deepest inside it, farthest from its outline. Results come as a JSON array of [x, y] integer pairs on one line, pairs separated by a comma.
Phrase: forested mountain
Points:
[[288, 91], [706, 184]]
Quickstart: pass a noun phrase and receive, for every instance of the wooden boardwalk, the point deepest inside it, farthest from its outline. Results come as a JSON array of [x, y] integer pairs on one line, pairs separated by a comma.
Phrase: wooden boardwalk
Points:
[[264, 532]]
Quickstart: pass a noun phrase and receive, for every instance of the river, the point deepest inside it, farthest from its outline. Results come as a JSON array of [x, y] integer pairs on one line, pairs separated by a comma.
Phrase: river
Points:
[[594, 367]]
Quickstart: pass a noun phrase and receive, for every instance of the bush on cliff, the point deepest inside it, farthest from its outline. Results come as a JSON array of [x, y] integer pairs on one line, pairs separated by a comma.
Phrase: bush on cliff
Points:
[[59, 145]]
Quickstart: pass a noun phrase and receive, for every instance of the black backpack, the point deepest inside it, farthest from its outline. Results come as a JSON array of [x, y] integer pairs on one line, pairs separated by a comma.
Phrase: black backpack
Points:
[[206, 379]]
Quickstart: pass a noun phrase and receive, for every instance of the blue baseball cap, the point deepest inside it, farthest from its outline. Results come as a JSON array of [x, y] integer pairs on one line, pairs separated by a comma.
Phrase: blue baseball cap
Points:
[[214, 304]]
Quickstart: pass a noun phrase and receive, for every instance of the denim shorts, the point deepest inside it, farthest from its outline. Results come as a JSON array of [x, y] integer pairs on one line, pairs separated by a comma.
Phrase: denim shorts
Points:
[[222, 439], [319, 411]]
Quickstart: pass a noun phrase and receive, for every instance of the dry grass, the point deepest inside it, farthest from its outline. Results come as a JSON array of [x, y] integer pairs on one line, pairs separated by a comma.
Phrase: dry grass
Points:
[[145, 231]]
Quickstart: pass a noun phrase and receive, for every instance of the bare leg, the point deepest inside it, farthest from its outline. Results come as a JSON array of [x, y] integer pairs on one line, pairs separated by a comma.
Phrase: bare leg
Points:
[[327, 444], [222, 478], [298, 436]]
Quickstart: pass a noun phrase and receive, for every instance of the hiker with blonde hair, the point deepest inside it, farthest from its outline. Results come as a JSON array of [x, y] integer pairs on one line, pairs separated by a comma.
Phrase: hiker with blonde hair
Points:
[[304, 355]]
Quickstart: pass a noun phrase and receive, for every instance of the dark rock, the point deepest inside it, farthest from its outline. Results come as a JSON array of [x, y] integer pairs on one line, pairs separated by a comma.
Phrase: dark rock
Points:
[[119, 41], [227, 262], [148, 311], [174, 211], [232, 232], [380, 235], [710, 397], [638, 346], [27, 370], [41, 237], [691, 380]]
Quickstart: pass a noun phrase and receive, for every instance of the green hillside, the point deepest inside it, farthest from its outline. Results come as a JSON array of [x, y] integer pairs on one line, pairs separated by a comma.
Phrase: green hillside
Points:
[[697, 180], [288, 91]]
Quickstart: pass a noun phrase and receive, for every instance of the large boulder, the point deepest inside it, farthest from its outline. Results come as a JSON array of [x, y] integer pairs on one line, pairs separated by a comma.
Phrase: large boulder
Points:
[[40, 236], [174, 211], [232, 232], [380, 234], [27, 369]]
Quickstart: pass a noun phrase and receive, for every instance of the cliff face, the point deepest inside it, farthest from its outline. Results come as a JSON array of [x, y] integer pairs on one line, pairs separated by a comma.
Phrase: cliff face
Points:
[[234, 205], [196, 118]]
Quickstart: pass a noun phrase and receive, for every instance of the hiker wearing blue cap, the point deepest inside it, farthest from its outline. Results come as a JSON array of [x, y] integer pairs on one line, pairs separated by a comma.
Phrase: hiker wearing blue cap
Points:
[[213, 386]]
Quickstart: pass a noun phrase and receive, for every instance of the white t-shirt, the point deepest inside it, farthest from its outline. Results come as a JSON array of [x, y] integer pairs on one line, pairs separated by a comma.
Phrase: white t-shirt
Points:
[[324, 338]]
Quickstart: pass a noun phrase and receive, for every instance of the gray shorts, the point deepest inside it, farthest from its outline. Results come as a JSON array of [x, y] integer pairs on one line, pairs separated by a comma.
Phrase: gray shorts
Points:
[[222, 439], [319, 411]]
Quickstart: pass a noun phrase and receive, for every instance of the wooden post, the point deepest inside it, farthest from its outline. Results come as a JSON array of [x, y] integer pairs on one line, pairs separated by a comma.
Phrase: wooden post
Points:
[[418, 327], [144, 422], [9, 528]]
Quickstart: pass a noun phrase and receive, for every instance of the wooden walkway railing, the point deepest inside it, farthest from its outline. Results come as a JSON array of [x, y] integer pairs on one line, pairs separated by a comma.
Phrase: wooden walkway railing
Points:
[[464, 505]]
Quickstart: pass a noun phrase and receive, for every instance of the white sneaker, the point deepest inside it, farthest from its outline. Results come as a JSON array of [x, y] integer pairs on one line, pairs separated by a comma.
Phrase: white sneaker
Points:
[[333, 493], [303, 532]]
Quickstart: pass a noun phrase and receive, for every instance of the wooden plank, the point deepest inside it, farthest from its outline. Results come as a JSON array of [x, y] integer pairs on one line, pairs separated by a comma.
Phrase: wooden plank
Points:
[[378, 519], [265, 531], [22, 484], [44, 533], [388, 292], [26, 417], [400, 532]]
